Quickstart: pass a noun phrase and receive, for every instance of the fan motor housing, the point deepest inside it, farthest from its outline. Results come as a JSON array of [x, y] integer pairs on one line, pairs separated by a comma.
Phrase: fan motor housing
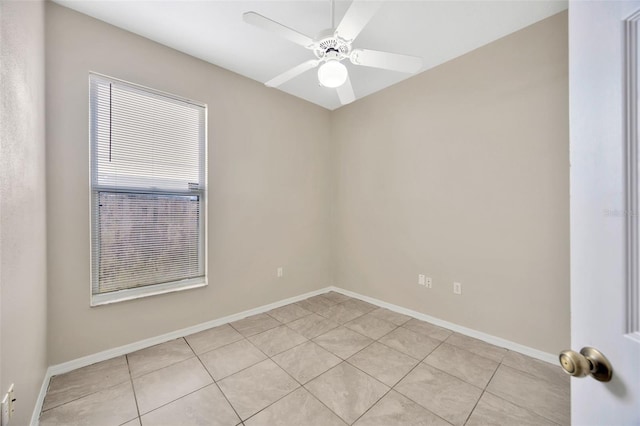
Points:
[[332, 48]]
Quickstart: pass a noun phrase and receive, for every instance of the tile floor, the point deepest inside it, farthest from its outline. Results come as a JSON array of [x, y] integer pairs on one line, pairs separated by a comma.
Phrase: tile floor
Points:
[[327, 360]]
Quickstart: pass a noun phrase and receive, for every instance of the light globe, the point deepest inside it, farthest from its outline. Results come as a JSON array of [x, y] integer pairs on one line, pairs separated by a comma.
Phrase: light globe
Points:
[[332, 74]]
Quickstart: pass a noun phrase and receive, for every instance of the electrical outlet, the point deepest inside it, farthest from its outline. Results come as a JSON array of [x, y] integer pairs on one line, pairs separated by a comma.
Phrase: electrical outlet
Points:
[[457, 288], [429, 282], [421, 279], [280, 272]]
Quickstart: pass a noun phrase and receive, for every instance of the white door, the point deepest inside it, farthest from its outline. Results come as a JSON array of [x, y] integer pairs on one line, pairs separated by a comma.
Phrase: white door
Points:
[[605, 301]]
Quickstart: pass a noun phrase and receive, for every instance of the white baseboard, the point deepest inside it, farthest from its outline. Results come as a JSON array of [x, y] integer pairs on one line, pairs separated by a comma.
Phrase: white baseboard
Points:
[[65, 367], [142, 344], [35, 416], [498, 341]]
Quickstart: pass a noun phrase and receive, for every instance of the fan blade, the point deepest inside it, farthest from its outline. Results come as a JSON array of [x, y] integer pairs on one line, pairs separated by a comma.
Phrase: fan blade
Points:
[[345, 92], [356, 18], [293, 72], [265, 23], [387, 61]]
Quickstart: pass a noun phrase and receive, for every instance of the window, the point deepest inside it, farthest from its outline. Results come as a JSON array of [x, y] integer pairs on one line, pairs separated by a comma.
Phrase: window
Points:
[[148, 191]]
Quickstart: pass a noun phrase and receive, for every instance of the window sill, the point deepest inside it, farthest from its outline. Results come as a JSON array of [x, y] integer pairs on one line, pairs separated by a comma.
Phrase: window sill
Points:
[[138, 293]]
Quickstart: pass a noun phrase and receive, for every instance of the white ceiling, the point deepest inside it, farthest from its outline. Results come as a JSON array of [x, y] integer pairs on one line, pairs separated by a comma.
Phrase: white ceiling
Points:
[[214, 31]]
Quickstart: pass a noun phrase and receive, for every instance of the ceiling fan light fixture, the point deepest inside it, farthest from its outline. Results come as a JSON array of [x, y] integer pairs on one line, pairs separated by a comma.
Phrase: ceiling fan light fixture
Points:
[[332, 74]]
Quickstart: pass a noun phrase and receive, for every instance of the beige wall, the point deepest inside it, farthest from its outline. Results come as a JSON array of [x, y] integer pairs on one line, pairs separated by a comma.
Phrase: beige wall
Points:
[[462, 173], [268, 188], [23, 280]]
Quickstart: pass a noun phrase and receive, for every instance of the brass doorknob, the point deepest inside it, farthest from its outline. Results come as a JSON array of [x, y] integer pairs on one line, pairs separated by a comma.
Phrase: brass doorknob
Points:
[[588, 361]]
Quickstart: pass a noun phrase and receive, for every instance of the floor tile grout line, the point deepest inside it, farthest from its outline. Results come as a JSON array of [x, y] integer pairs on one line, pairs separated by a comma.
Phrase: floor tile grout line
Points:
[[325, 405], [215, 382], [416, 366], [355, 331], [274, 402], [378, 340], [268, 356], [300, 385], [362, 314], [519, 406], [393, 388], [425, 334], [474, 407], [337, 356], [455, 377], [193, 354], [219, 347], [163, 367], [213, 328], [217, 385], [465, 349], [486, 390], [460, 378], [251, 316], [345, 360], [242, 369], [83, 396], [272, 360], [372, 405], [176, 399], [324, 319], [255, 363], [420, 405], [325, 296], [388, 322], [198, 355], [425, 357], [329, 408], [536, 376], [314, 304], [473, 353], [133, 388], [417, 359], [317, 375], [343, 325], [359, 350], [285, 323], [341, 303], [371, 375], [482, 394], [342, 360]]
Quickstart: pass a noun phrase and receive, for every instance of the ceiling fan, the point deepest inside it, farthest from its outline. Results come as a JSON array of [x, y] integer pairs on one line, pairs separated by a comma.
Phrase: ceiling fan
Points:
[[332, 46]]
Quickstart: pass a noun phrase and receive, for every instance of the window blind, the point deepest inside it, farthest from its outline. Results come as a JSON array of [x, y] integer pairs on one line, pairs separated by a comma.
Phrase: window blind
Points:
[[148, 178]]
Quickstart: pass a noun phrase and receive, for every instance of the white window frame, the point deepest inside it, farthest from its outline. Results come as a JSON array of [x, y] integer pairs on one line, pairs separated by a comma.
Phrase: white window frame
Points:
[[155, 289]]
